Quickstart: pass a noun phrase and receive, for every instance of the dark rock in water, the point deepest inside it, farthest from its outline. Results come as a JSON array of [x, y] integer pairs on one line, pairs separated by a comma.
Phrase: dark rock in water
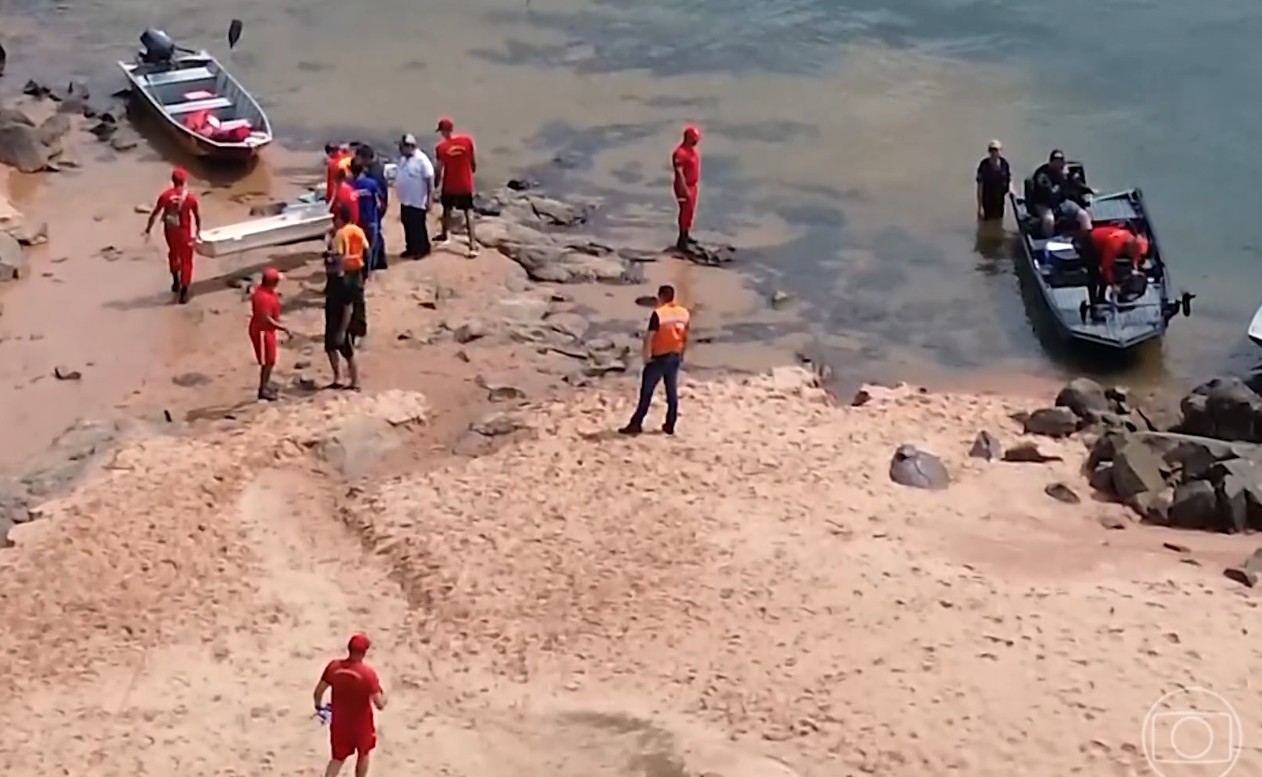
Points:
[[1195, 506], [1082, 395], [915, 468], [484, 206], [21, 147], [268, 209], [1137, 468], [521, 184], [1223, 408], [1062, 493], [986, 446], [1027, 453], [1247, 571], [1052, 422], [557, 213]]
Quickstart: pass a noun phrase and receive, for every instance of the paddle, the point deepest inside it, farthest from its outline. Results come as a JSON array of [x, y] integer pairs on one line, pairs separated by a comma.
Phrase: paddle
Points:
[[234, 32]]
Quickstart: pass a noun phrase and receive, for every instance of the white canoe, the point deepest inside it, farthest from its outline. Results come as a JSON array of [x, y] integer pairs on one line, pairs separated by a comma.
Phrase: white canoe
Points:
[[299, 222], [1255, 327]]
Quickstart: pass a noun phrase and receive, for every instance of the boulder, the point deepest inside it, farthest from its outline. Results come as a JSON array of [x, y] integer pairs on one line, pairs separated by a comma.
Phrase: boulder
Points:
[[553, 263], [558, 213], [1153, 506], [986, 446], [21, 148], [1083, 395], [12, 263], [358, 443], [915, 468], [1137, 468], [1052, 422], [1223, 408], [1247, 571], [1195, 506], [53, 129], [1101, 478]]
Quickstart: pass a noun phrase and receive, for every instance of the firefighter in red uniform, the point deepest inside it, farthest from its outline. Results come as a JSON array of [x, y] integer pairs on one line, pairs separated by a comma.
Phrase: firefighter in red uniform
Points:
[[686, 162], [181, 225]]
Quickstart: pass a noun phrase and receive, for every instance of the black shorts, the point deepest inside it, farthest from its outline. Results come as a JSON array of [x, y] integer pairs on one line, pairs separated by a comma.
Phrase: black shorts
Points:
[[456, 201], [346, 347]]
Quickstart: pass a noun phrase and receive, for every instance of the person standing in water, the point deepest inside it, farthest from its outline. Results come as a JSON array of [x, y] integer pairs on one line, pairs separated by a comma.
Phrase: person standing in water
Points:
[[181, 225], [356, 691], [686, 163], [994, 181], [457, 163]]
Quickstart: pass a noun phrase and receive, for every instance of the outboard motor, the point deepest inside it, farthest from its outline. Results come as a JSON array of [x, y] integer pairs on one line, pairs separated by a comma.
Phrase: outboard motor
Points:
[[158, 48]]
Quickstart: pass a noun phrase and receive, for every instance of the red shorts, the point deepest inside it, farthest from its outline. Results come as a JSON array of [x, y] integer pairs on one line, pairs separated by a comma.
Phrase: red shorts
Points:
[[351, 739], [264, 342]]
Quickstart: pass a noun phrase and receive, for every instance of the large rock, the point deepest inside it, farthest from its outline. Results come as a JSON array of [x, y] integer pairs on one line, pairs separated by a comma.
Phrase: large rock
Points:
[[1195, 506], [1052, 422], [550, 263], [1083, 395], [1137, 468], [558, 213], [12, 263], [915, 468], [359, 443], [986, 446], [21, 147], [53, 129], [1224, 408]]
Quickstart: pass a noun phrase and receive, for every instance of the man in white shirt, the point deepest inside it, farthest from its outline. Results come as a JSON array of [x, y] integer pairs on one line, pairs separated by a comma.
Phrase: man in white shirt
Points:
[[414, 185]]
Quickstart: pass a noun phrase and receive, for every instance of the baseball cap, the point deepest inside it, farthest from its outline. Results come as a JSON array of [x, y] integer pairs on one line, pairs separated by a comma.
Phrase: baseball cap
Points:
[[358, 643], [994, 145], [445, 123], [407, 140], [271, 274], [179, 175], [1056, 155], [692, 130]]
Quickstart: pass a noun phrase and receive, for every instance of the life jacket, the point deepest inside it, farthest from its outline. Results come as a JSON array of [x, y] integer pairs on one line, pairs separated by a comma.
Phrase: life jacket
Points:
[[672, 329]]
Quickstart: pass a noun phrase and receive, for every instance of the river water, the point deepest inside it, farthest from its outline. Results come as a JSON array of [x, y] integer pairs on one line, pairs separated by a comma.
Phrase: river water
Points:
[[840, 142]]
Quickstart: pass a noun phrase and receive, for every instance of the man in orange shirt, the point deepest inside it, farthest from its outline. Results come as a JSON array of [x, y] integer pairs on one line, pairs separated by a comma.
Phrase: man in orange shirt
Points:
[[686, 162], [264, 323], [181, 225], [457, 163], [336, 157], [665, 341], [356, 690], [1107, 244]]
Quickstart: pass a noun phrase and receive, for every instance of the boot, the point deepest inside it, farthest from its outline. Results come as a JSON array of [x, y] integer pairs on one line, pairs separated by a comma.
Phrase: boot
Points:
[[183, 295], [175, 283]]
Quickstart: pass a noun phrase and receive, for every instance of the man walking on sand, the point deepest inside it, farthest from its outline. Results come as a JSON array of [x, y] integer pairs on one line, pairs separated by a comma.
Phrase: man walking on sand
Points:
[[457, 163], [414, 184], [686, 163], [181, 225], [356, 690], [665, 341]]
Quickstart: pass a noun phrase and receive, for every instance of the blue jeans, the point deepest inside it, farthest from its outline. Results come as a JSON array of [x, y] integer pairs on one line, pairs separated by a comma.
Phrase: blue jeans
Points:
[[659, 369]]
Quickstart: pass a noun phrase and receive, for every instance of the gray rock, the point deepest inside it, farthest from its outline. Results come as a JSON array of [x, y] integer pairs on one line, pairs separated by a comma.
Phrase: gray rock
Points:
[[710, 254], [124, 142], [1233, 506], [1027, 452], [1246, 572], [469, 331], [550, 263], [1153, 507], [1137, 468], [358, 443], [1195, 506], [1062, 493], [915, 468], [558, 213], [53, 129], [1082, 395], [21, 148], [986, 446], [571, 325], [1101, 478], [1223, 408], [498, 424], [1052, 422], [13, 264]]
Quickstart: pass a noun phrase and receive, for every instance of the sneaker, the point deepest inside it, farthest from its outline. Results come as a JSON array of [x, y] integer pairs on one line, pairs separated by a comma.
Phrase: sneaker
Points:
[[268, 396], [630, 430]]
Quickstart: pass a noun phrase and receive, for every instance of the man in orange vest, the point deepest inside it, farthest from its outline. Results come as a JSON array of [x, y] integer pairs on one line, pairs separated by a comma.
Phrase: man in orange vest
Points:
[[1107, 244], [664, 343]]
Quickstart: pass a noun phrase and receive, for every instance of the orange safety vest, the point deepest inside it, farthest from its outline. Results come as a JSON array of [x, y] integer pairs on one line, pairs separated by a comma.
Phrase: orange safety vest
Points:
[[672, 329], [350, 241]]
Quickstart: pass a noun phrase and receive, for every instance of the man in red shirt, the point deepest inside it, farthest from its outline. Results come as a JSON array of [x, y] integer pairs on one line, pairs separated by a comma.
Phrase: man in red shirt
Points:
[[344, 194], [336, 157], [356, 690], [1107, 245], [181, 224], [264, 322], [686, 162], [457, 163]]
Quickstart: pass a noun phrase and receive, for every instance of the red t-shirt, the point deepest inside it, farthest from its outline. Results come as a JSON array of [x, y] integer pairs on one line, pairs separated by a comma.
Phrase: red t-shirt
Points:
[[687, 161], [354, 683], [455, 154], [346, 195], [264, 305], [331, 166], [177, 207]]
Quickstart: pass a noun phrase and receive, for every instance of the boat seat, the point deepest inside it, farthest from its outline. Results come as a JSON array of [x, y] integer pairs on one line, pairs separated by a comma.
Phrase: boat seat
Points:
[[214, 103], [179, 76]]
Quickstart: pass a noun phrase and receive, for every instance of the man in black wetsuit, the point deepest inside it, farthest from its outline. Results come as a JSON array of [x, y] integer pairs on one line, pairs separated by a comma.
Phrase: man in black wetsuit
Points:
[[994, 180], [1059, 194]]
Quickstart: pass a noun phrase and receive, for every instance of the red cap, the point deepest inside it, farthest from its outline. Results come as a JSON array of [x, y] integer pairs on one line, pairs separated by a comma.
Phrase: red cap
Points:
[[692, 131], [271, 275], [178, 175], [445, 124], [358, 644]]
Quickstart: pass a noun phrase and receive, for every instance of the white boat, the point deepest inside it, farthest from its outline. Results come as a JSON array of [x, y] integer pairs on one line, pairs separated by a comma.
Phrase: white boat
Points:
[[303, 220], [207, 110], [1255, 328]]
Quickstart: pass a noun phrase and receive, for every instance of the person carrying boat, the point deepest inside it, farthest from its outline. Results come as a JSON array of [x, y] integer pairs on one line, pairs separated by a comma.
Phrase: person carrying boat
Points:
[[1059, 194], [1103, 247], [181, 226]]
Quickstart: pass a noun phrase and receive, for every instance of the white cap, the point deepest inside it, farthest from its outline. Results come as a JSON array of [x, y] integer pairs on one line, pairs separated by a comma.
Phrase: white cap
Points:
[[408, 140]]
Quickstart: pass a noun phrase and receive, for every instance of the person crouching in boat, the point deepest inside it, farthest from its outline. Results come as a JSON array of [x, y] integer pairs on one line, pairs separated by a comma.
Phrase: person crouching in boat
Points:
[[1105, 245], [182, 225]]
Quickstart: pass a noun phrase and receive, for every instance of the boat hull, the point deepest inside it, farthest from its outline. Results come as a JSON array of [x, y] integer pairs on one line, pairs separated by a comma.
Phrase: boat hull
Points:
[[298, 223]]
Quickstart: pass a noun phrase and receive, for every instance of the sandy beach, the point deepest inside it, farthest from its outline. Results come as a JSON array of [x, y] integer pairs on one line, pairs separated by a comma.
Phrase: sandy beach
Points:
[[751, 597]]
